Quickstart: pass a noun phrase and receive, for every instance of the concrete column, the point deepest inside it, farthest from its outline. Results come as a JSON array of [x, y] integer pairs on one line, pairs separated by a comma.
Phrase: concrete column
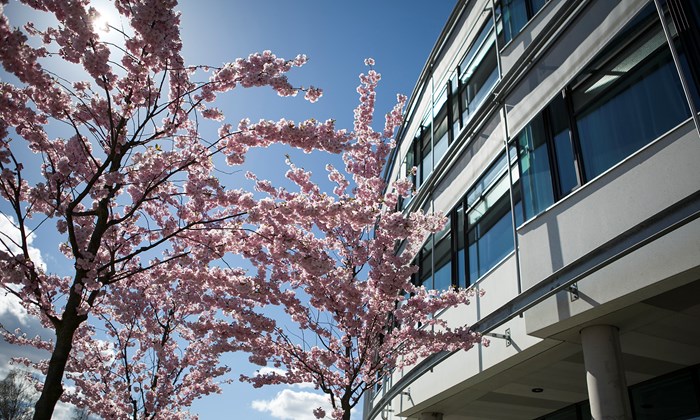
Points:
[[430, 416], [605, 375]]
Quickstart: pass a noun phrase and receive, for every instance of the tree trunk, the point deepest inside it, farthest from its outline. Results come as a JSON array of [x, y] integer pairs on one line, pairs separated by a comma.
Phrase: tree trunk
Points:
[[345, 405], [53, 388]]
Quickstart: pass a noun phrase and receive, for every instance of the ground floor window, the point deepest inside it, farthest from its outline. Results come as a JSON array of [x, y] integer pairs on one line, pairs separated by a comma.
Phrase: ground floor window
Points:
[[675, 396]]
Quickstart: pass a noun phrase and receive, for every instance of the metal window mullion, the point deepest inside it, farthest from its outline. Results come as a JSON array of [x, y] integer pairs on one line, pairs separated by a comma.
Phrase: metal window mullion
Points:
[[555, 177], [506, 141], [454, 274], [574, 138], [495, 39]]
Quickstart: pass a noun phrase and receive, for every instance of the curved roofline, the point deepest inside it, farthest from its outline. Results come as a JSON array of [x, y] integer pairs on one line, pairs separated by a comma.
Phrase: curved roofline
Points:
[[425, 75]]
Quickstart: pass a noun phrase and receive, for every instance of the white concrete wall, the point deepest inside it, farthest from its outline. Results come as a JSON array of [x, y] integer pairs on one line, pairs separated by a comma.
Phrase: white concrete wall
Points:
[[644, 184]]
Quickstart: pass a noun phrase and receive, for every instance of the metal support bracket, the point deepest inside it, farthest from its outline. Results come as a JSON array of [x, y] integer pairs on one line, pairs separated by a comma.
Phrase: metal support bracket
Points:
[[573, 292], [505, 336]]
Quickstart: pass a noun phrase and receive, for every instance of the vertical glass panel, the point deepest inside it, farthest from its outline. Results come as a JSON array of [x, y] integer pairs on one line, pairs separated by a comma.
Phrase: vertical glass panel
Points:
[[443, 264], [478, 71], [463, 67], [483, 80], [426, 269], [440, 135], [536, 5], [673, 397], [461, 268], [410, 162], [493, 236], [563, 148], [568, 413], [514, 15], [454, 106], [535, 173], [493, 174], [426, 154], [683, 18], [473, 255], [632, 100], [488, 218]]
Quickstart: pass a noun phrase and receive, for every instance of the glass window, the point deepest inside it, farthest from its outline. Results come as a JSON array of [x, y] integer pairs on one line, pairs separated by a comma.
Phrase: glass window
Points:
[[440, 134], [425, 273], [435, 261], [454, 106], [563, 146], [672, 397], [514, 18], [442, 279], [685, 25], [514, 15], [490, 238], [478, 72], [630, 96], [481, 81], [628, 102], [489, 220], [535, 173], [461, 268]]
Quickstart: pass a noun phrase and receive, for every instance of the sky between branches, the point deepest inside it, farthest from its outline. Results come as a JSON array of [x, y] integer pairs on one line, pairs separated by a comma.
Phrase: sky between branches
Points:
[[336, 36]]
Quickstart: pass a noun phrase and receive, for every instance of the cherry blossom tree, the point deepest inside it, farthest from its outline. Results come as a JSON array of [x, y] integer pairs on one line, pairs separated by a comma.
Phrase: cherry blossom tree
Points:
[[129, 184], [127, 178], [333, 264]]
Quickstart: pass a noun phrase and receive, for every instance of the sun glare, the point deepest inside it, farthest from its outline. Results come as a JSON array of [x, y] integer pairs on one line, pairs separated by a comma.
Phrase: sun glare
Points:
[[106, 16], [101, 24]]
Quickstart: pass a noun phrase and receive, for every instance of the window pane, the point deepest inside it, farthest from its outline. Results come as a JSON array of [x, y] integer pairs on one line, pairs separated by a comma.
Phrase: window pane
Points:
[[478, 72], [563, 149], [536, 5], [474, 49], [490, 240], [425, 274], [514, 18], [685, 23], [493, 174], [672, 397], [454, 106], [535, 174], [631, 101], [440, 135], [443, 266], [426, 154], [482, 80], [461, 268]]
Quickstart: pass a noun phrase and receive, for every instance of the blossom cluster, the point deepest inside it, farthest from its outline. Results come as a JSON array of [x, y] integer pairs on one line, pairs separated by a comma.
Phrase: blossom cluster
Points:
[[332, 263], [148, 227]]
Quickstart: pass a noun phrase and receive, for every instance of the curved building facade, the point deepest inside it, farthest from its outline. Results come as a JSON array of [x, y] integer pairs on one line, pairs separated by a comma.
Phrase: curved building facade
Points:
[[562, 140]]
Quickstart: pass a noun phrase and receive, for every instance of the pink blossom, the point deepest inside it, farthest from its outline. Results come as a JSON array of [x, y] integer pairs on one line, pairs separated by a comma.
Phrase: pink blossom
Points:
[[313, 94], [150, 304]]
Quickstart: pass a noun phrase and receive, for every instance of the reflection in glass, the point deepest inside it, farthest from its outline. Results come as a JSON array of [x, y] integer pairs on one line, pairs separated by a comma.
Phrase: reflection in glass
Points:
[[535, 173], [629, 102]]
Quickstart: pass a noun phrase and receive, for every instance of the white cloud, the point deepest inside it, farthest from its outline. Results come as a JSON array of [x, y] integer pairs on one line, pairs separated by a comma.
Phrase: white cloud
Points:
[[9, 305], [10, 237], [9, 240], [62, 411], [265, 370], [293, 405]]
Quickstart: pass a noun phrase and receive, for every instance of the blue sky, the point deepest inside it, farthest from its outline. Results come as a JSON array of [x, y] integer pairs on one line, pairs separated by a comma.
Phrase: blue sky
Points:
[[336, 36]]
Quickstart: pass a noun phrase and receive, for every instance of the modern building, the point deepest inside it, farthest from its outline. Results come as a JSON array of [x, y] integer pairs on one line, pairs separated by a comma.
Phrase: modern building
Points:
[[562, 139]]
